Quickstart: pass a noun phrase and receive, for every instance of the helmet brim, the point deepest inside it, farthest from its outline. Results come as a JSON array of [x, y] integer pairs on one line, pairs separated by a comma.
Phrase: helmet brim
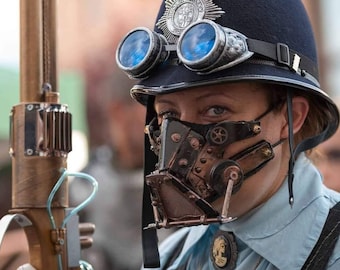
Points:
[[172, 78]]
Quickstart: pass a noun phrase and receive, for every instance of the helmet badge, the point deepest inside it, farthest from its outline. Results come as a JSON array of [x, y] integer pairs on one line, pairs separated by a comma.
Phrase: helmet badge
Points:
[[181, 13]]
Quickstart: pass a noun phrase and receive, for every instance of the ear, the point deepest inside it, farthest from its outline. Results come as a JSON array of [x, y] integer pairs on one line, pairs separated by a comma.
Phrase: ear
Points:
[[300, 109]]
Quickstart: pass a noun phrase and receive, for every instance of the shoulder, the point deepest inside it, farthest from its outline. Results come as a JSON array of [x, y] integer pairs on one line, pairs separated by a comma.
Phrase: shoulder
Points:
[[179, 242], [174, 239]]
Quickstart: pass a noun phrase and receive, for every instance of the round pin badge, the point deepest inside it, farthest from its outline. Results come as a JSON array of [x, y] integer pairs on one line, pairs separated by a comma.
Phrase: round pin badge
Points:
[[223, 251]]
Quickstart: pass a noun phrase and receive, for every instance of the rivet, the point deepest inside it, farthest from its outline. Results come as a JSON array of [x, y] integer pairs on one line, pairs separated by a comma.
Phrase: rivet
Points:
[[176, 137], [183, 162], [257, 129], [267, 152], [194, 142]]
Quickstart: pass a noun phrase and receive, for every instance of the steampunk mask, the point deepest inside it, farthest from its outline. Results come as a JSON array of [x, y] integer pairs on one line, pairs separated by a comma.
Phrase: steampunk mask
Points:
[[193, 170]]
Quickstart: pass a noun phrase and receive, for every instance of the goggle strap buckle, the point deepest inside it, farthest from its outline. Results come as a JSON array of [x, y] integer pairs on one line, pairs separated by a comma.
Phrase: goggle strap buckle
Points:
[[283, 54]]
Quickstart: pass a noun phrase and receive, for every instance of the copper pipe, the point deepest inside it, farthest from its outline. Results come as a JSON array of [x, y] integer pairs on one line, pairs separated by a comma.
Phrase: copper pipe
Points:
[[30, 50], [49, 22], [34, 175]]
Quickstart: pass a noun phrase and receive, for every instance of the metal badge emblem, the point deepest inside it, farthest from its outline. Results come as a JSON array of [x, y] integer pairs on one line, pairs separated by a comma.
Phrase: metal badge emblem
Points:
[[181, 13], [223, 252]]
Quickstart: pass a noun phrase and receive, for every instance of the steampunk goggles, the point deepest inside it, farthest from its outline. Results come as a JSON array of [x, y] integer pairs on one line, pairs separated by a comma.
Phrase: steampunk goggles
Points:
[[204, 47]]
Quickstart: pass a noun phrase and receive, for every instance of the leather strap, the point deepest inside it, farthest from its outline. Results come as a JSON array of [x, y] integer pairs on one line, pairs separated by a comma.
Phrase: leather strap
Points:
[[283, 55], [149, 236]]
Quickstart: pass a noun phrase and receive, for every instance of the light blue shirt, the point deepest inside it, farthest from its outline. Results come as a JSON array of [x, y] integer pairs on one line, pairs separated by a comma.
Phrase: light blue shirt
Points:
[[273, 236]]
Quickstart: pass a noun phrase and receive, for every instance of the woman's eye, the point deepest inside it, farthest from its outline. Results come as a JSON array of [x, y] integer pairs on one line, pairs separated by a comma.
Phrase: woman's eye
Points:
[[216, 111]]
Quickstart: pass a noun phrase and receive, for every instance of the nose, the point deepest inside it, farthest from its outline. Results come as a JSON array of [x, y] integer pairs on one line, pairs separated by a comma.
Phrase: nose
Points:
[[189, 115]]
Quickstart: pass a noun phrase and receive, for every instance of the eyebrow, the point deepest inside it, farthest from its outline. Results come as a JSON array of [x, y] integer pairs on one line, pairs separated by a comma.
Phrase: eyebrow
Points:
[[164, 100], [207, 94], [215, 93]]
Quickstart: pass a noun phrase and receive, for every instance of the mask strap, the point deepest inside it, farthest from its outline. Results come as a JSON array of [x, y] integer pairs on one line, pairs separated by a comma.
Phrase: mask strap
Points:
[[291, 147], [149, 236], [270, 108]]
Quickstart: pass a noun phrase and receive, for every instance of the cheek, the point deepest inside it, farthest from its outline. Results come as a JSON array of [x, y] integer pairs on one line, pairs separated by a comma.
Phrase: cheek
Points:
[[259, 187], [273, 128]]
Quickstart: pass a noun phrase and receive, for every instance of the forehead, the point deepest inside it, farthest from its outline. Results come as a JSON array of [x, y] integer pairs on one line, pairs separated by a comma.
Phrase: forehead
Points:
[[235, 91]]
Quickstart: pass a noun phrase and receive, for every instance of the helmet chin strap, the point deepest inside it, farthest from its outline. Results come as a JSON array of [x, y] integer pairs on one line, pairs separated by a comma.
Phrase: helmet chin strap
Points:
[[291, 147], [304, 145], [149, 237]]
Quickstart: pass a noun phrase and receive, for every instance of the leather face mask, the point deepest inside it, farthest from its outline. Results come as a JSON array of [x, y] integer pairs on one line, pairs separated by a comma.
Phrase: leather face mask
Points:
[[192, 172]]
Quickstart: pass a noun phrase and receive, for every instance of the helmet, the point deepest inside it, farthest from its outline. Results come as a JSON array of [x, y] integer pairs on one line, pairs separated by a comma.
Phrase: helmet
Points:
[[281, 45], [286, 36], [265, 41]]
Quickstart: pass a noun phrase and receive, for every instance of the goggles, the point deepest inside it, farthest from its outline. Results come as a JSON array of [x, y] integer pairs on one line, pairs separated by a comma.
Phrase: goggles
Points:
[[204, 47]]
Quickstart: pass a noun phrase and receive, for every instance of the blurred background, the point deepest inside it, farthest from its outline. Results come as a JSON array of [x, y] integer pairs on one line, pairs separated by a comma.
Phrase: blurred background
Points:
[[88, 33], [96, 92], [107, 125]]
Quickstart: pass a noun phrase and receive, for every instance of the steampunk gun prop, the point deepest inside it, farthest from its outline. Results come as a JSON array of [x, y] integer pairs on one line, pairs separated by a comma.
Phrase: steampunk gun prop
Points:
[[40, 140]]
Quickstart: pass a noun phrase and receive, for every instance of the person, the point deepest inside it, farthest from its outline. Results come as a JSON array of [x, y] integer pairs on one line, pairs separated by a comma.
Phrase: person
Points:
[[116, 168], [327, 159], [116, 161], [233, 104]]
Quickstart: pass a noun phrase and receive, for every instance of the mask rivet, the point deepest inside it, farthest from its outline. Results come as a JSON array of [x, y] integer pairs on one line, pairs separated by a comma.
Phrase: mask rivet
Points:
[[203, 160], [198, 169], [194, 143], [183, 162], [267, 152], [257, 129], [176, 137]]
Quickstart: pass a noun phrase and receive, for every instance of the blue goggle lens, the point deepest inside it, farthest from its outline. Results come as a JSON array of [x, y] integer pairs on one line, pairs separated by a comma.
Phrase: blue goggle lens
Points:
[[198, 42], [134, 49]]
